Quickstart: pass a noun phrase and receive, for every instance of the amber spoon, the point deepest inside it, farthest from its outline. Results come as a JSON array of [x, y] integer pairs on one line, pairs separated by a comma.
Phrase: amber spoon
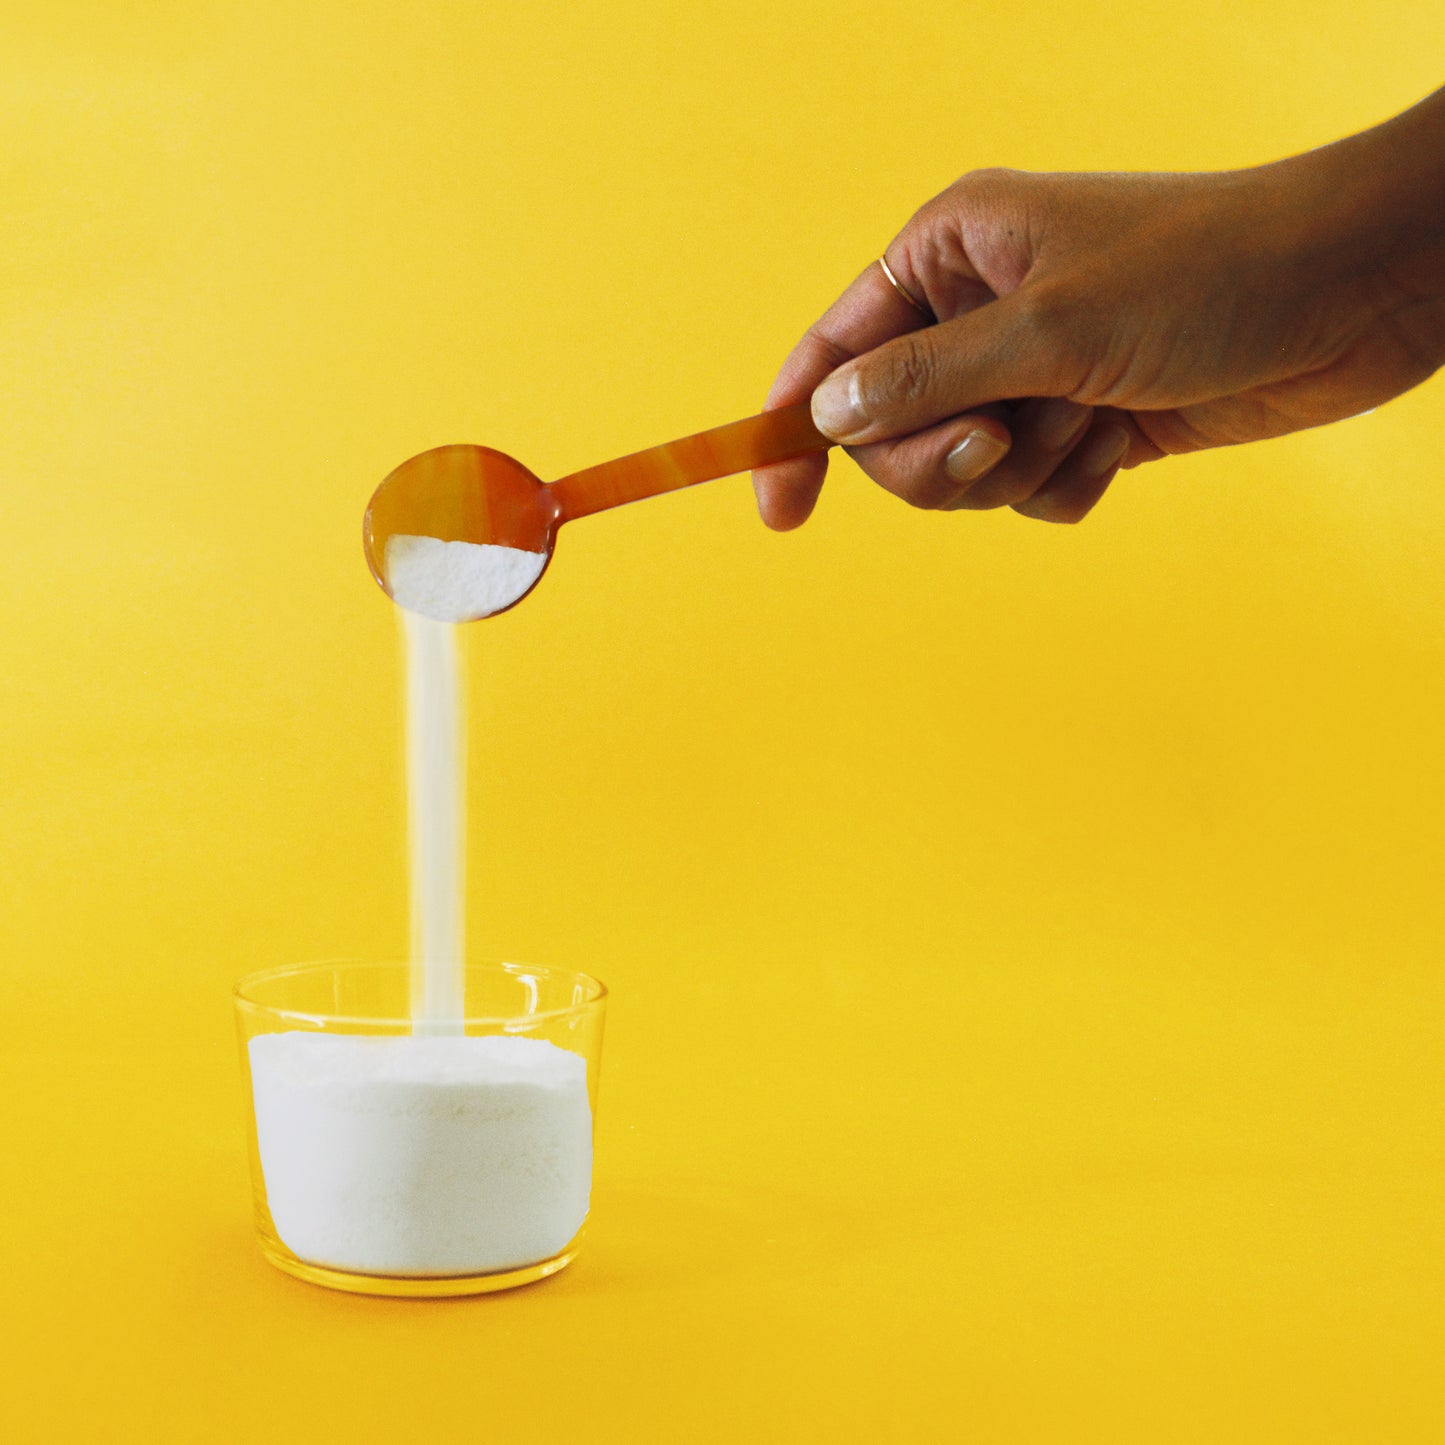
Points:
[[465, 493]]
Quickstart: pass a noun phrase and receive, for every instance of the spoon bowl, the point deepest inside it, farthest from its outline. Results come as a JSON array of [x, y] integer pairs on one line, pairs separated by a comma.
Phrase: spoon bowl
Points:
[[477, 495], [461, 493]]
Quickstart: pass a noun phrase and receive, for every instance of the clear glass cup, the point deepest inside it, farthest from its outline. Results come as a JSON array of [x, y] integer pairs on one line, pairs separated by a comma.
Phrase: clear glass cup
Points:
[[390, 1161]]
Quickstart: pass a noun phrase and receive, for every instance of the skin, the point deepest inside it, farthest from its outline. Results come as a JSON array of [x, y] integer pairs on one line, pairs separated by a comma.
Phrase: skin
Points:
[[1089, 322]]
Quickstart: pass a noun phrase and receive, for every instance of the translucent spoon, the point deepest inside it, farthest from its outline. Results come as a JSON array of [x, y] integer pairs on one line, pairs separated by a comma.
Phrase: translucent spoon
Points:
[[465, 493]]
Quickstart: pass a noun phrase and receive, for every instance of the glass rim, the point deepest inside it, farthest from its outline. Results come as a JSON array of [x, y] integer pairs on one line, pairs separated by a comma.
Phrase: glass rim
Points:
[[241, 992]]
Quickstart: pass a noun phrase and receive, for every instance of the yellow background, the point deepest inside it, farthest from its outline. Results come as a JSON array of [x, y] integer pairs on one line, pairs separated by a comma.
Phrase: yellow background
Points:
[[1025, 942]]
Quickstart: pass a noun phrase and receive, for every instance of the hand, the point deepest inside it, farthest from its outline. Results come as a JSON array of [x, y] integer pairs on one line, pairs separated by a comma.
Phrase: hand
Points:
[[1088, 322]]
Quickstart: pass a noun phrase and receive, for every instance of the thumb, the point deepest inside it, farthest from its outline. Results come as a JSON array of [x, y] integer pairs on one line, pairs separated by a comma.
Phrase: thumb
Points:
[[1009, 348]]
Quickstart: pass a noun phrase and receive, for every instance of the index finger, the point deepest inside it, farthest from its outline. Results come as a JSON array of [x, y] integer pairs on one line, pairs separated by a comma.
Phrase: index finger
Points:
[[866, 315]]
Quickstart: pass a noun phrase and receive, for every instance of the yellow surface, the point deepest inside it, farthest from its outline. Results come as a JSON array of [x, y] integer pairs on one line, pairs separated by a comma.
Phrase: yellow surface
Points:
[[1026, 942]]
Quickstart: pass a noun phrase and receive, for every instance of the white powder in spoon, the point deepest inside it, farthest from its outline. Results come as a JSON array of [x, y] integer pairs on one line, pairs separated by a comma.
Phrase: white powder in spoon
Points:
[[458, 581], [422, 1156]]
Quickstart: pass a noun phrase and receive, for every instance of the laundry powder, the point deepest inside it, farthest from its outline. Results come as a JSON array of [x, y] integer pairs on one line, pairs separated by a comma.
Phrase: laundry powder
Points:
[[458, 581], [422, 1155]]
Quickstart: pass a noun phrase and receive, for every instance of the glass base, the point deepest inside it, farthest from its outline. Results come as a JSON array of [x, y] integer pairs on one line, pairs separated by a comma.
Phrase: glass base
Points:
[[415, 1286]]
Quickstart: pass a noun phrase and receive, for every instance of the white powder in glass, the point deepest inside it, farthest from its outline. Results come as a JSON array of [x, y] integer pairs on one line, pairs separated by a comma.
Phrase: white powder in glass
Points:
[[422, 1155], [458, 581]]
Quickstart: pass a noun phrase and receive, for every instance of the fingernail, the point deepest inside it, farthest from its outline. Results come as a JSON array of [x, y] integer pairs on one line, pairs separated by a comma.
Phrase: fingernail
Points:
[[838, 406], [1104, 450], [974, 455], [1061, 423]]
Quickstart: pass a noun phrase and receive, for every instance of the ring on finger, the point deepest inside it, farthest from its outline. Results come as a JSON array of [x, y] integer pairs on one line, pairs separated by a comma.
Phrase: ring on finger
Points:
[[919, 306]]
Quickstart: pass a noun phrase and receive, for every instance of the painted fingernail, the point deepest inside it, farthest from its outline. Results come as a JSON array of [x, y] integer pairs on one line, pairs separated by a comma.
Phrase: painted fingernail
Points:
[[838, 406], [1103, 451], [1061, 423], [974, 455]]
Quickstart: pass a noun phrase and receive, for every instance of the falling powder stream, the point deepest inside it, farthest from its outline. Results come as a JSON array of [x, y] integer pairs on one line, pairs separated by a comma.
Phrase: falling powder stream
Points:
[[436, 792], [438, 585]]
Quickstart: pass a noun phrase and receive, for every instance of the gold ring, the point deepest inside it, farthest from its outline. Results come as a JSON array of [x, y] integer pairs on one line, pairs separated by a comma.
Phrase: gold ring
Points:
[[904, 292]]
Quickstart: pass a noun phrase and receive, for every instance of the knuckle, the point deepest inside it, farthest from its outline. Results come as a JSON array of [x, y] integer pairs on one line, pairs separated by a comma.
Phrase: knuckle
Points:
[[986, 183], [924, 490], [910, 374], [931, 495], [825, 349], [921, 482]]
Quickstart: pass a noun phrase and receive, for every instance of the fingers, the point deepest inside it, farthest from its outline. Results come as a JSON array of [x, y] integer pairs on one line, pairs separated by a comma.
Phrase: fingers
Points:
[[1048, 458], [1083, 477], [788, 491], [1045, 431], [1009, 348], [993, 457], [933, 468], [867, 314]]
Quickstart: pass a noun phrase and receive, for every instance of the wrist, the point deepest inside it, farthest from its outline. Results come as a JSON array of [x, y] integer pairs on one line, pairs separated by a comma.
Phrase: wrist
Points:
[[1373, 211]]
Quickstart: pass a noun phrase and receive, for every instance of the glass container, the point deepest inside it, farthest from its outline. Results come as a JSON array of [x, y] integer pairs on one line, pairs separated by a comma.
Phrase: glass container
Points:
[[394, 1158]]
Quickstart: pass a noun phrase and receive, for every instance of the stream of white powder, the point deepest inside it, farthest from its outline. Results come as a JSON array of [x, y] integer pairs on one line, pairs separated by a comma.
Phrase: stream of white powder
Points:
[[436, 786], [437, 585]]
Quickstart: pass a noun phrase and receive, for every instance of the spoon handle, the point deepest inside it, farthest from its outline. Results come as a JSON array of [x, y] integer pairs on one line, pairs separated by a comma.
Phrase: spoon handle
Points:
[[756, 441]]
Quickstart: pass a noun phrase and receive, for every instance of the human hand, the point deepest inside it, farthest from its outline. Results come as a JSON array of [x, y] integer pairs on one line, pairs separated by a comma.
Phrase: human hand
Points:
[[1086, 322]]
